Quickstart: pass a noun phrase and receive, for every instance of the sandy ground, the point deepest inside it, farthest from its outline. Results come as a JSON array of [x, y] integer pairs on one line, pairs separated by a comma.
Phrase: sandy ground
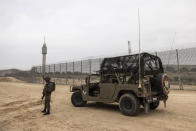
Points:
[[9, 79], [20, 110]]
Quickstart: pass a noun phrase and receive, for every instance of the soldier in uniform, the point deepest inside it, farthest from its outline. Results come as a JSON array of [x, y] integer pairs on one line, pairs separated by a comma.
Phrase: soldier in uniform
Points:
[[48, 88]]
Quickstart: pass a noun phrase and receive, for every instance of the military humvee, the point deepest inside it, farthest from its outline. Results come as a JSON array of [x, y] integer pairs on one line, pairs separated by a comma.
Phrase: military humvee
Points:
[[119, 82]]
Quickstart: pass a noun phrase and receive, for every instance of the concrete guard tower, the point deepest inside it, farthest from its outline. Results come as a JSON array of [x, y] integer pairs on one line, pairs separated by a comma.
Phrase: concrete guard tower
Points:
[[44, 52]]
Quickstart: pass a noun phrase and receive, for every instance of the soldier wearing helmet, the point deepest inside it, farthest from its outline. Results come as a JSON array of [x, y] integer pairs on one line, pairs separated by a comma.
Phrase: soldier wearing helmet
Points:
[[48, 88]]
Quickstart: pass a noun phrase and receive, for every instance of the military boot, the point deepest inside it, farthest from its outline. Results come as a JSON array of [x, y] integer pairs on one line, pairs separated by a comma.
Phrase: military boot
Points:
[[43, 111], [47, 113]]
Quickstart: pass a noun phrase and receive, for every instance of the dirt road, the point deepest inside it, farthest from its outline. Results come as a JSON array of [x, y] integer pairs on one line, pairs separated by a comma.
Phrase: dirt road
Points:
[[20, 110]]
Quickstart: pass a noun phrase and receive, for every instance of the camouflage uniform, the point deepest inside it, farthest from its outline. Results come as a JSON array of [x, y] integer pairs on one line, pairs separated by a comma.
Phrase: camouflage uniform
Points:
[[47, 94]]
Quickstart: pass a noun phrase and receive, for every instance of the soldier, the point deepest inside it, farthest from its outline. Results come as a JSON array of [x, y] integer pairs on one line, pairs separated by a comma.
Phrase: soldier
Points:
[[48, 88]]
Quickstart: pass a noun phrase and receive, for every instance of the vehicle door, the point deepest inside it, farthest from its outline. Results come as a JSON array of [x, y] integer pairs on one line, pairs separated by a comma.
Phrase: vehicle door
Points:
[[107, 90]]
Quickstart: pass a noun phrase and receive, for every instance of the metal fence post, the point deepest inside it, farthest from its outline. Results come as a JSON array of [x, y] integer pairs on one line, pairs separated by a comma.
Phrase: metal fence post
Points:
[[99, 64], [40, 69], [54, 73], [179, 74], [89, 66], [54, 68], [81, 72], [66, 73], [73, 74], [48, 68], [59, 68]]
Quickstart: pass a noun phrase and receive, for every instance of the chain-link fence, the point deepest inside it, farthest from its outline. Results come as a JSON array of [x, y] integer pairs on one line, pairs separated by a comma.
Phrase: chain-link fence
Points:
[[180, 65]]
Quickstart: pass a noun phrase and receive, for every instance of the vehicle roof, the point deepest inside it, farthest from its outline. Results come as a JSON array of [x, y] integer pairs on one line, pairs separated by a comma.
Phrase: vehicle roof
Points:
[[126, 63], [143, 53]]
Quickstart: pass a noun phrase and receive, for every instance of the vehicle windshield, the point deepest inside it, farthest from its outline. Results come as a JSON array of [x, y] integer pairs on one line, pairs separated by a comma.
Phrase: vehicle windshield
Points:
[[94, 78]]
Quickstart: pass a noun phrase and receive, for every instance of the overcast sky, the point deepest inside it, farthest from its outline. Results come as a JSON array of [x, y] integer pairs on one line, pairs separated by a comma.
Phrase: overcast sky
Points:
[[83, 28]]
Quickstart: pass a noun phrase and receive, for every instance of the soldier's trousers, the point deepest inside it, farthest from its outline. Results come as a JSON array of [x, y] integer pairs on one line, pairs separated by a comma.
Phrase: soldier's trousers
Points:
[[47, 103]]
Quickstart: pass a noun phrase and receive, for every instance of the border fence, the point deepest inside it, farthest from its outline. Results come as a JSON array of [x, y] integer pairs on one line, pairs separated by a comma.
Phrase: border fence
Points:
[[179, 64]]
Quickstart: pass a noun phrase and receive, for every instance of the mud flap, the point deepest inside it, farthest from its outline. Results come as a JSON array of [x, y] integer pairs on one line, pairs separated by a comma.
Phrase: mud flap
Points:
[[164, 102]]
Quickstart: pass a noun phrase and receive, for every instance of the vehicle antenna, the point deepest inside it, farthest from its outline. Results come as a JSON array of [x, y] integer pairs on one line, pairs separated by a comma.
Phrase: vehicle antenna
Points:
[[139, 51]]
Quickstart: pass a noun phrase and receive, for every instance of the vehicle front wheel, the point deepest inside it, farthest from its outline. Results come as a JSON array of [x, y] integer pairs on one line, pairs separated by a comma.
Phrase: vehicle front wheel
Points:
[[76, 99], [154, 105], [129, 104]]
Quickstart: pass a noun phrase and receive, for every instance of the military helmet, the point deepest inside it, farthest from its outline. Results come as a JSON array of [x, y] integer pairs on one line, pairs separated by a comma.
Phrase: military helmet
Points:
[[47, 78]]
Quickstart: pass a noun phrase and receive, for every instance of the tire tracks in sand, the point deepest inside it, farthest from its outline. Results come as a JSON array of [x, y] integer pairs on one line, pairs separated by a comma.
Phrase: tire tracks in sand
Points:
[[22, 110]]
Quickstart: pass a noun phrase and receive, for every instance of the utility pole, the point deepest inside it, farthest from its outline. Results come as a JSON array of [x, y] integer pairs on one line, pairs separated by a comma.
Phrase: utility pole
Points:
[[179, 74], [129, 47]]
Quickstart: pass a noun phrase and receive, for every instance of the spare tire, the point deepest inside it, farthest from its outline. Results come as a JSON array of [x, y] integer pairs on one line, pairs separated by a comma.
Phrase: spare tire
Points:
[[160, 83]]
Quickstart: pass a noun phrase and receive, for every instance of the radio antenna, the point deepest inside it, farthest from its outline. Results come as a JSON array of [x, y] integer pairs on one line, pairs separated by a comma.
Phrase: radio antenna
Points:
[[140, 83]]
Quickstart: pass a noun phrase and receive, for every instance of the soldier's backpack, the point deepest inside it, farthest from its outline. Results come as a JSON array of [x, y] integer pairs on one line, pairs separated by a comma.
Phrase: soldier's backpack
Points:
[[53, 86]]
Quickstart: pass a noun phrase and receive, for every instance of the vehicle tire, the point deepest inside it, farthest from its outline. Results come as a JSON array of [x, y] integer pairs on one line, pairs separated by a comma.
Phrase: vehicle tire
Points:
[[76, 99], [154, 105], [158, 84], [129, 104]]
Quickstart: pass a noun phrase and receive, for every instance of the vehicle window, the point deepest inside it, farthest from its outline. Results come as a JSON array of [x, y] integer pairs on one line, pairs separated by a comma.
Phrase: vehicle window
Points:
[[151, 64], [94, 79]]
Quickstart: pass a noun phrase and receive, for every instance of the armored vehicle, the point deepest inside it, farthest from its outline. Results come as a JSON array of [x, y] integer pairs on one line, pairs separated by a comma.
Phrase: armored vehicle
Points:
[[123, 80]]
